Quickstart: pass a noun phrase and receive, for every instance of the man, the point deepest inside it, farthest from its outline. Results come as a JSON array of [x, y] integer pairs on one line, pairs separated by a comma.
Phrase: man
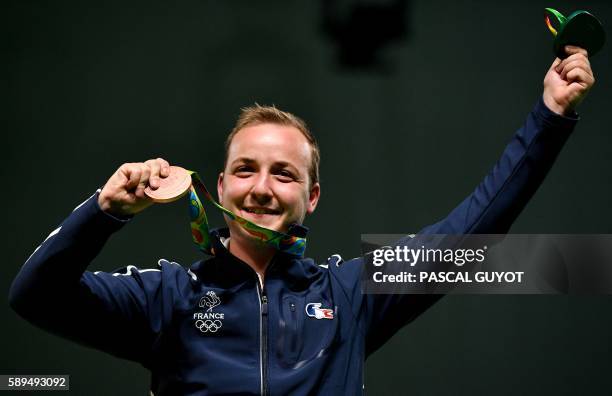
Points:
[[252, 319]]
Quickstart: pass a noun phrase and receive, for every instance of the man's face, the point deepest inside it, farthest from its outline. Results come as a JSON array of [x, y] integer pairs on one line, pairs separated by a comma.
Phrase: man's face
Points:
[[266, 178]]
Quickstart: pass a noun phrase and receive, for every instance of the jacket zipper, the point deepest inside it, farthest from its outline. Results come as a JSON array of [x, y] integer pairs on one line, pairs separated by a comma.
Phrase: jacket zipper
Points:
[[263, 340], [294, 341]]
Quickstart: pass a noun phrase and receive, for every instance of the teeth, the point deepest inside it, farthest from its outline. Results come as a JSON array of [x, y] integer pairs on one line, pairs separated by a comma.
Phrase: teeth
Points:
[[259, 211]]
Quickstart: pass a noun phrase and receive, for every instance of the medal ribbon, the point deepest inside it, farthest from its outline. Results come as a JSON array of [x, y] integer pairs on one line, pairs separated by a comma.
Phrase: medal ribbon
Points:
[[285, 243], [560, 18]]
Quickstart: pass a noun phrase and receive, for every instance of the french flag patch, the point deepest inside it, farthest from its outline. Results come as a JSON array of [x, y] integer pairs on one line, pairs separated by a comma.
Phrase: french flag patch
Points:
[[314, 310]]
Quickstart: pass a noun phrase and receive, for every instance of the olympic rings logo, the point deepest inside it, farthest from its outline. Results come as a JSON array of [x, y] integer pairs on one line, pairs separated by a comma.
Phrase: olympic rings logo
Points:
[[208, 325]]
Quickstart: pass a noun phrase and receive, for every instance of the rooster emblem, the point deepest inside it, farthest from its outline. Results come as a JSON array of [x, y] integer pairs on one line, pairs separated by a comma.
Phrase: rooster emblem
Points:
[[210, 300]]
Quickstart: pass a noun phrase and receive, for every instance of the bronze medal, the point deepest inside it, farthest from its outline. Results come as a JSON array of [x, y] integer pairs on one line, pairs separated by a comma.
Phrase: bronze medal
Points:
[[172, 187]]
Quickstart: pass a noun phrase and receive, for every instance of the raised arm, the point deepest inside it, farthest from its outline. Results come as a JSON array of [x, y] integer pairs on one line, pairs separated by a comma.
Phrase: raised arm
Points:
[[498, 200], [501, 196], [119, 312]]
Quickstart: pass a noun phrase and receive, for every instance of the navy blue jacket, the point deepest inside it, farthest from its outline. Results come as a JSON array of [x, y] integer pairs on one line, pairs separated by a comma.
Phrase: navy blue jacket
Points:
[[213, 329]]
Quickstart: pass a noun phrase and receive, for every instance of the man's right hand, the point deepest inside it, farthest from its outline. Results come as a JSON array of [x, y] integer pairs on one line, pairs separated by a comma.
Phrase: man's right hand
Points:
[[568, 81], [123, 194]]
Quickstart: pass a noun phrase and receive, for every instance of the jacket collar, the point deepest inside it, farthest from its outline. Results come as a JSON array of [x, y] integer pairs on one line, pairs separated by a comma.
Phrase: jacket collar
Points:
[[225, 269], [220, 235]]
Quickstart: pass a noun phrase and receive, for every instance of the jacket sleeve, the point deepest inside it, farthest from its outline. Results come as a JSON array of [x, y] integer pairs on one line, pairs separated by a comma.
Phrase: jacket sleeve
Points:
[[120, 313], [490, 209]]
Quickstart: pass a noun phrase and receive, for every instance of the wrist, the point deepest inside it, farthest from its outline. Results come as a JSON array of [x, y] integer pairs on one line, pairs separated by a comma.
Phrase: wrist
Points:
[[106, 205], [103, 203], [554, 106]]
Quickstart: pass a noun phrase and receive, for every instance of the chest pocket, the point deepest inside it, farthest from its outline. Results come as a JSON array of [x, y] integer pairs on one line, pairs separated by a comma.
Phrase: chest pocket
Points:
[[307, 330]]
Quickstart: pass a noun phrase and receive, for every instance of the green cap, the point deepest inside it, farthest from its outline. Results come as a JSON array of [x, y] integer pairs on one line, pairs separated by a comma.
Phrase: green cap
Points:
[[580, 29]]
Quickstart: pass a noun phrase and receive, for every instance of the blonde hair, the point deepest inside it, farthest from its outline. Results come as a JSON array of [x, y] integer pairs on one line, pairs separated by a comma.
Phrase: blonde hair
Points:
[[257, 114]]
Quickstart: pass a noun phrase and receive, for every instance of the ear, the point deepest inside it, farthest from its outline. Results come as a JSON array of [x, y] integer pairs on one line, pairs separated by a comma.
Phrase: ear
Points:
[[220, 187], [313, 198]]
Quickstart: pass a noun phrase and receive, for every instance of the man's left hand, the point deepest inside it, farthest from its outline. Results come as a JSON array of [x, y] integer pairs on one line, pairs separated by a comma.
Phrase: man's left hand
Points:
[[567, 82]]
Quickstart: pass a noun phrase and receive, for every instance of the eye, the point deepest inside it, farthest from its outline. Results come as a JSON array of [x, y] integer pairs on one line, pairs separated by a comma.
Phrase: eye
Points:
[[243, 171], [285, 176]]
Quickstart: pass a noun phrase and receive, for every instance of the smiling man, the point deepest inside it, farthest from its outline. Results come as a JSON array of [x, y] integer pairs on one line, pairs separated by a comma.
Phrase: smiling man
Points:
[[271, 177], [221, 326]]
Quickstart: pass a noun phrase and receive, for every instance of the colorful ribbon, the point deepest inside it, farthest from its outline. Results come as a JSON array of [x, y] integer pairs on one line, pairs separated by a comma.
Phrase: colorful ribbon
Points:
[[560, 18], [285, 243]]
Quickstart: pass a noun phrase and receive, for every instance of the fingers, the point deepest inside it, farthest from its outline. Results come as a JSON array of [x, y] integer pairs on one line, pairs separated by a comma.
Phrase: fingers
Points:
[[139, 175], [145, 179], [581, 77], [578, 60], [555, 64], [153, 167], [157, 169], [572, 49], [132, 173], [574, 64], [573, 58], [165, 167], [124, 192]]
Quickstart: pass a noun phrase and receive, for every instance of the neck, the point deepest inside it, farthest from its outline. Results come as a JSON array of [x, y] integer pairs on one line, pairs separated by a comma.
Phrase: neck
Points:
[[255, 253]]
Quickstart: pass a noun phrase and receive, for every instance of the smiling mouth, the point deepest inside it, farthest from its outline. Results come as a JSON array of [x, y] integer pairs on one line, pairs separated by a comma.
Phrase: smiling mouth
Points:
[[262, 211]]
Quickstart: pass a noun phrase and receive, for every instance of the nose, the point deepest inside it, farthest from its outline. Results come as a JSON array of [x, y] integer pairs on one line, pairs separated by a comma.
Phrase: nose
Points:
[[261, 190]]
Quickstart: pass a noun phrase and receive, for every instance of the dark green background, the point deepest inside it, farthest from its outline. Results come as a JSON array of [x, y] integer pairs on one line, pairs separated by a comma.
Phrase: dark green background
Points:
[[90, 85]]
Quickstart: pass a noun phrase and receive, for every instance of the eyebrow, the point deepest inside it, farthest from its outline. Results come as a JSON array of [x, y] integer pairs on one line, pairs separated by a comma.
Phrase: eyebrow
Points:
[[246, 160], [249, 161]]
